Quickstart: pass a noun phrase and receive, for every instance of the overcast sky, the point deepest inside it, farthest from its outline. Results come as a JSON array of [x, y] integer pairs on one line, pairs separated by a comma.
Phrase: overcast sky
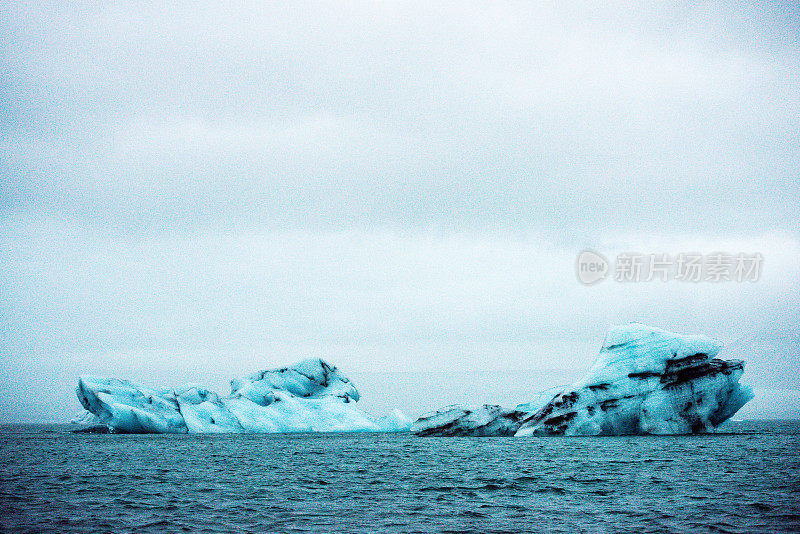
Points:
[[191, 193]]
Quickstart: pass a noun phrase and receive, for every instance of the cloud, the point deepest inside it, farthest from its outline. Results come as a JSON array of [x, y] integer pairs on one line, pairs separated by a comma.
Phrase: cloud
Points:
[[402, 114], [387, 184]]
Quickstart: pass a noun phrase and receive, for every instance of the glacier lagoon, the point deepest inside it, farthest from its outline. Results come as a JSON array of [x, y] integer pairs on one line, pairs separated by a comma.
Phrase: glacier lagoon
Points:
[[644, 381]]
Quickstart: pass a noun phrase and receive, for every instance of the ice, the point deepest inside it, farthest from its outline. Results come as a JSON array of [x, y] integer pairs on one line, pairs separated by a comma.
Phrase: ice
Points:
[[129, 408], [308, 379], [488, 420], [647, 381], [311, 396], [396, 421], [644, 381]]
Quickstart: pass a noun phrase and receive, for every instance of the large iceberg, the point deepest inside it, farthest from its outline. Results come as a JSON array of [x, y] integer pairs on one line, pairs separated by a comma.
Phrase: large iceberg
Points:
[[644, 381], [312, 396]]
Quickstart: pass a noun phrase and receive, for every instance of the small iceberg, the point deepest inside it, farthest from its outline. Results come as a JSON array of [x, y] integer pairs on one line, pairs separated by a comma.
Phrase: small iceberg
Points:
[[312, 396], [488, 420]]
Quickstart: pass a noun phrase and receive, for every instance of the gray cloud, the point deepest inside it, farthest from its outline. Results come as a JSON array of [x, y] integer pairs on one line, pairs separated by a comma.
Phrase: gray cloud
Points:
[[402, 114]]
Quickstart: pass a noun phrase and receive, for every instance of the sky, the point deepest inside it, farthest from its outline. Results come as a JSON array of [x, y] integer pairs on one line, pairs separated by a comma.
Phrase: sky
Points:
[[192, 192]]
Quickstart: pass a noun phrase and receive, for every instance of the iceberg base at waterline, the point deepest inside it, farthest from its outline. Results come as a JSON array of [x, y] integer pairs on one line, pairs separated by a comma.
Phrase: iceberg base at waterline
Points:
[[311, 396], [644, 381]]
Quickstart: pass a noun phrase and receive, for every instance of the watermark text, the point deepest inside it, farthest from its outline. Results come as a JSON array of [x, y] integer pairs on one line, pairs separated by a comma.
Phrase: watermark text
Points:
[[592, 267]]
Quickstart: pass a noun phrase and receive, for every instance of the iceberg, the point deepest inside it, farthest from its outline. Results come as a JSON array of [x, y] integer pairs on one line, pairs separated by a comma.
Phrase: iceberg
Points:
[[644, 381], [312, 396]]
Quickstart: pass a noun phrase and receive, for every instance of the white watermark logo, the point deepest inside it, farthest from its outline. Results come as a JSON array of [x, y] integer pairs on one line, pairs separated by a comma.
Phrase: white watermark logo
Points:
[[591, 267]]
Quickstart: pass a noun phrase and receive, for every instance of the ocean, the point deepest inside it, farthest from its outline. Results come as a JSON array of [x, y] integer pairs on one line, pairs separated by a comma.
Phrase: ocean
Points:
[[745, 478]]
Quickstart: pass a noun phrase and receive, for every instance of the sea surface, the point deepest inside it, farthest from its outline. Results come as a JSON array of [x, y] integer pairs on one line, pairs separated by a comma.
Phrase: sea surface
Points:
[[743, 479]]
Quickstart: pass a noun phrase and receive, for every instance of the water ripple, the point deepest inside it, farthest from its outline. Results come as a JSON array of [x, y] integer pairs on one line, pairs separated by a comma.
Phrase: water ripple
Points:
[[746, 480]]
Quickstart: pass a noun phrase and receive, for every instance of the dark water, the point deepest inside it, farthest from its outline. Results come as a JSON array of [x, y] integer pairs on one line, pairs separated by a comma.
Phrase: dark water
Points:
[[747, 480]]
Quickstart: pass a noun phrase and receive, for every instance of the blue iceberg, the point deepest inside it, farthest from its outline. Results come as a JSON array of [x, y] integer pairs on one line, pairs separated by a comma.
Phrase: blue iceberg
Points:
[[644, 381], [312, 396]]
